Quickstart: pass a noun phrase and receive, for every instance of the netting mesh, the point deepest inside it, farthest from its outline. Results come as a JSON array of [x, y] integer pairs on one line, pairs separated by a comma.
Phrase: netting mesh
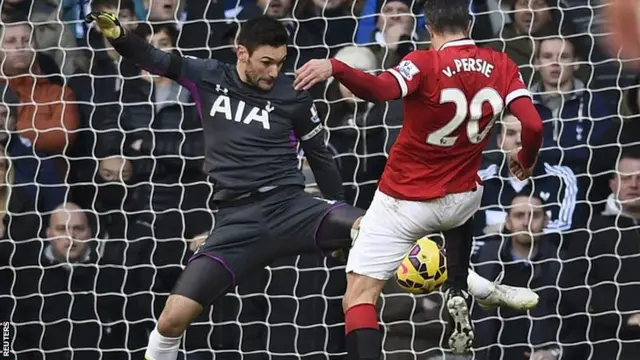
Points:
[[103, 197]]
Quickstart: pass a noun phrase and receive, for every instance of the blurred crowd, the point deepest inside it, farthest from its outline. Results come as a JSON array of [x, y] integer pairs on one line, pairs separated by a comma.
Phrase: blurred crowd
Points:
[[103, 198]]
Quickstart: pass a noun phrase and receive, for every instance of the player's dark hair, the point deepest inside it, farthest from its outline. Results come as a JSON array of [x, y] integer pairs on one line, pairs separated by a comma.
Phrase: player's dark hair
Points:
[[262, 31], [447, 16]]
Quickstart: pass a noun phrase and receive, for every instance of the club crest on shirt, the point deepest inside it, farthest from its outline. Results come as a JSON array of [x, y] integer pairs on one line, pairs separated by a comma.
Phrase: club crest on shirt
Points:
[[314, 114], [407, 69]]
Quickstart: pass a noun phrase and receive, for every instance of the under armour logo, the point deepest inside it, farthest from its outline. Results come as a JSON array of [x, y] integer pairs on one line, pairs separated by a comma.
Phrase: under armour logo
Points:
[[221, 89], [269, 108]]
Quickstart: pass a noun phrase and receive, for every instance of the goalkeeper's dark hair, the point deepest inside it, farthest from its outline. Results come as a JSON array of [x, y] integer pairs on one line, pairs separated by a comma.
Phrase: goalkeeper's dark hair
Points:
[[447, 16], [262, 31]]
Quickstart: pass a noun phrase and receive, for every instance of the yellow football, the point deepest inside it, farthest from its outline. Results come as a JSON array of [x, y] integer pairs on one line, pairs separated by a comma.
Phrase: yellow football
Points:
[[424, 269]]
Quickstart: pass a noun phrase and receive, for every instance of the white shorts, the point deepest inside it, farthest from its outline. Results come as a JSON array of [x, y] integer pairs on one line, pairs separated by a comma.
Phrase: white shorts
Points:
[[391, 227]]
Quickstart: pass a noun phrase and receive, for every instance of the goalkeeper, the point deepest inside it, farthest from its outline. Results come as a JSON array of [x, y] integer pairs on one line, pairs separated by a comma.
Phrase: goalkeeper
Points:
[[252, 121]]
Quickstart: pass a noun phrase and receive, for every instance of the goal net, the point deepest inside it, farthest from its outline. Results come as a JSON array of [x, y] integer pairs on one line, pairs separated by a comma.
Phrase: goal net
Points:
[[123, 151]]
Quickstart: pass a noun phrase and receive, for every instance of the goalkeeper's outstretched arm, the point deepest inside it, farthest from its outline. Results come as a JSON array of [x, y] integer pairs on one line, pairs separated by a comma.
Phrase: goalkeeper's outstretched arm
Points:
[[184, 70]]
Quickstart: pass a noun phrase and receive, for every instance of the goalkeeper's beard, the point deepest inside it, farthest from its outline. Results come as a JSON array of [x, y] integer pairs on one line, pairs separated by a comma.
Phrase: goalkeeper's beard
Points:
[[254, 79]]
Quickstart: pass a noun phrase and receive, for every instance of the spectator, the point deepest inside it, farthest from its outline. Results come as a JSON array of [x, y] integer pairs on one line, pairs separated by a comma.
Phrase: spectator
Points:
[[626, 127], [163, 10], [532, 21], [574, 118], [202, 33], [48, 115], [80, 314], [601, 281], [99, 92], [622, 134], [19, 228], [557, 185], [50, 34], [336, 19], [395, 34], [113, 202], [35, 175], [525, 258], [357, 134]]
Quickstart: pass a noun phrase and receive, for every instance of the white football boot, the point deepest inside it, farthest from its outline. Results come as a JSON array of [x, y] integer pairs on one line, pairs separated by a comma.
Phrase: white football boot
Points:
[[517, 298]]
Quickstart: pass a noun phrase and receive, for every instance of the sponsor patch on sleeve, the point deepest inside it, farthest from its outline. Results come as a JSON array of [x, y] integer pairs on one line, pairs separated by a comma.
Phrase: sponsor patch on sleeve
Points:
[[407, 69]]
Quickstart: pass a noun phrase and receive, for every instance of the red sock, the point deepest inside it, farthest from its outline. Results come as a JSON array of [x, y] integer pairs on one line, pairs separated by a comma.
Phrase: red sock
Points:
[[361, 316]]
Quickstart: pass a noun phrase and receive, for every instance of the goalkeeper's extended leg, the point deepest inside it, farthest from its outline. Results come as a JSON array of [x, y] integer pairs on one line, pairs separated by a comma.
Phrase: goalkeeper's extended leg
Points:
[[202, 281]]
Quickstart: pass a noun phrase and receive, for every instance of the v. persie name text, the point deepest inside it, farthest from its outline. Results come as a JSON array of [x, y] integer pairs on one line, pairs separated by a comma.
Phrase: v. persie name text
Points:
[[469, 64]]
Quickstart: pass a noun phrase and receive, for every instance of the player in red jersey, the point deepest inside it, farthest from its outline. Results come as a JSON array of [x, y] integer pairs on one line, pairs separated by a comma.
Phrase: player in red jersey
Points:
[[452, 96]]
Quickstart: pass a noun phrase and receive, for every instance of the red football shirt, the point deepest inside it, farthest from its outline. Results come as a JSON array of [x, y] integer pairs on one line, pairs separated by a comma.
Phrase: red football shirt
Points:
[[451, 99]]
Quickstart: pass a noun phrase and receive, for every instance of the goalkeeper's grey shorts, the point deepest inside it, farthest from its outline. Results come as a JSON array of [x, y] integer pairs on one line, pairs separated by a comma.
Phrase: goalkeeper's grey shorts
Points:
[[251, 233]]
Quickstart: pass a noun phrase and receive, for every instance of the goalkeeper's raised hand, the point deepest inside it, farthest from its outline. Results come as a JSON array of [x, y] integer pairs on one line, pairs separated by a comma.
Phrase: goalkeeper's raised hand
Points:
[[106, 23]]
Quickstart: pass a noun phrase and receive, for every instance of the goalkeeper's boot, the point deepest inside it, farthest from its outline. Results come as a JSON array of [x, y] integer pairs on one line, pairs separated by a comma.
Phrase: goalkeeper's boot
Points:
[[462, 335], [517, 298]]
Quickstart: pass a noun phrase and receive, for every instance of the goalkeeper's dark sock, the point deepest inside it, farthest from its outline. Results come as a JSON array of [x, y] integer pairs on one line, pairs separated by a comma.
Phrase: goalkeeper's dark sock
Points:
[[364, 339]]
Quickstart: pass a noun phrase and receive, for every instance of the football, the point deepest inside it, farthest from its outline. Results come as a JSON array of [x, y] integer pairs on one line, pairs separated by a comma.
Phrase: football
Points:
[[622, 23], [424, 269]]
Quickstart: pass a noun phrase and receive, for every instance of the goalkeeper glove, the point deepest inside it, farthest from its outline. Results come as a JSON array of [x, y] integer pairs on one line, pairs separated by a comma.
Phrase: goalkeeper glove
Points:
[[106, 23]]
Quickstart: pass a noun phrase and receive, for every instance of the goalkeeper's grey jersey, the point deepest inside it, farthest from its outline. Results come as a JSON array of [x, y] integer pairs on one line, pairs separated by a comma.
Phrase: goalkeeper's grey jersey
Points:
[[251, 136]]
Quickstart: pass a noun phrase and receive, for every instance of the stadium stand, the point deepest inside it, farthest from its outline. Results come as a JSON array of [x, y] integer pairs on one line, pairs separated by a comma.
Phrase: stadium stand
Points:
[[103, 197]]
